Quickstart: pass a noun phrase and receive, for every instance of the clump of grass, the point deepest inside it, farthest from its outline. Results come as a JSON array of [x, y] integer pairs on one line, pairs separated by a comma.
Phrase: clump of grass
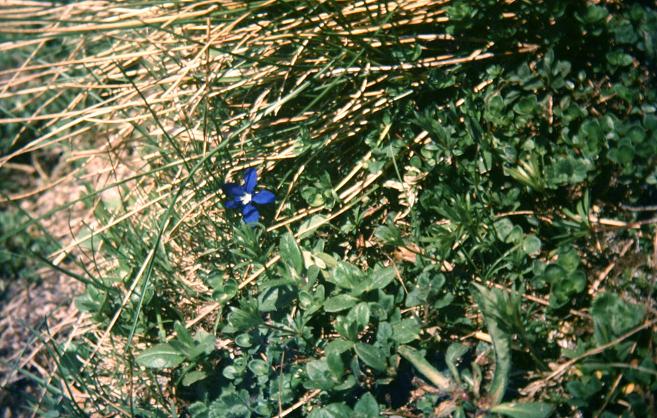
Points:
[[414, 148]]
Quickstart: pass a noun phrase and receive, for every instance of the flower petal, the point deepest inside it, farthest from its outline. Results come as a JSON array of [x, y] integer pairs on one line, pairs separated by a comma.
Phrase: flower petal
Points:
[[250, 214], [250, 179], [233, 190], [264, 197], [233, 203]]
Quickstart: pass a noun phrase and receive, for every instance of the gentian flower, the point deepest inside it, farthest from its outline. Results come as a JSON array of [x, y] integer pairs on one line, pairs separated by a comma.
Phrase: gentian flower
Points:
[[243, 197]]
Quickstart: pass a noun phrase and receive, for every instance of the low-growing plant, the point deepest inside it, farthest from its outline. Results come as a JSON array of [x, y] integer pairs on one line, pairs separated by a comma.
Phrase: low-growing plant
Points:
[[453, 211]]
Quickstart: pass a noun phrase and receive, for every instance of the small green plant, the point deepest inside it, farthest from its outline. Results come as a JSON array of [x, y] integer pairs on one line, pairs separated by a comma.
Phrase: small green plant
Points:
[[455, 213]]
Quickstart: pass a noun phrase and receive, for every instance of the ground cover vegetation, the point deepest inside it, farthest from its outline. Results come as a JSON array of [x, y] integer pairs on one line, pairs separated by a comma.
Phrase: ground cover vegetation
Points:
[[338, 209]]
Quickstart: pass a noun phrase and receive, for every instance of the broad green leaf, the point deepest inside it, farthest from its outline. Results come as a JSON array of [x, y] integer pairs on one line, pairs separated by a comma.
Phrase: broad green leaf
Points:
[[243, 319], [308, 227], [347, 327], [290, 253], [381, 277], [204, 341], [492, 304], [258, 367], [371, 356], [566, 288], [531, 245], [231, 403], [554, 273], [347, 383], [160, 356], [312, 196], [318, 373], [339, 303], [524, 410], [193, 377], [388, 234], [503, 228], [243, 340], [182, 334], [273, 298], [454, 353], [406, 330], [526, 105], [367, 407], [339, 346], [346, 276], [327, 259], [613, 316], [569, 260], [361, 314], [335, 364], [334, 410]]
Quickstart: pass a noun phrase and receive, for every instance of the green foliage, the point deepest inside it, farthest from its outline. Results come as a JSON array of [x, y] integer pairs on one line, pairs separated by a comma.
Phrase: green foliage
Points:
[[16, 249], [455, 227], [613, 316], [498, 311], [524, 410]]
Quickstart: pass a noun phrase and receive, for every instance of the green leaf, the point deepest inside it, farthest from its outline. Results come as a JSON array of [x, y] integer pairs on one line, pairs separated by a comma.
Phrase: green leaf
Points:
[[423, 366], [454, 353], [274, 298], [312, 196], [389, 234], [327, 259], [594, 14], [318, 373], [243, 340], [371, 356], [347, 327], [568, 259], [335, 364], [406, 330], [493, 304], [290, 253], [524, 410], [613, 316], [334, 410], [346, 276], [443, 301], [339, 303], [554, 273], [347, 383], [243, 319], [361, 314], [196, 410], [619, 58], [160, 356], [531, 245], [308, 227], [339, 346], [381, 277], [259, 367], [231, 404], [182, 334], [526, 105], [367, 407], [503, 228], [193, 377], [566, 288]]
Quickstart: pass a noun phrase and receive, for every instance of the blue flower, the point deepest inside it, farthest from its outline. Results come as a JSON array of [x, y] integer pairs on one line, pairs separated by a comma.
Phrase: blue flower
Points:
[[243, 197]]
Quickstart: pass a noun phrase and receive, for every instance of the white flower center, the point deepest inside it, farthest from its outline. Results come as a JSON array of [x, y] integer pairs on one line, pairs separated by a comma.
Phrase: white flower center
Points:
[[246, 198]]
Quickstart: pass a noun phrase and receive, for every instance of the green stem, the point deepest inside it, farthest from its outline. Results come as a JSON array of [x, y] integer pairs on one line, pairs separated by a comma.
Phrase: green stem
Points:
[[422, 365]]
